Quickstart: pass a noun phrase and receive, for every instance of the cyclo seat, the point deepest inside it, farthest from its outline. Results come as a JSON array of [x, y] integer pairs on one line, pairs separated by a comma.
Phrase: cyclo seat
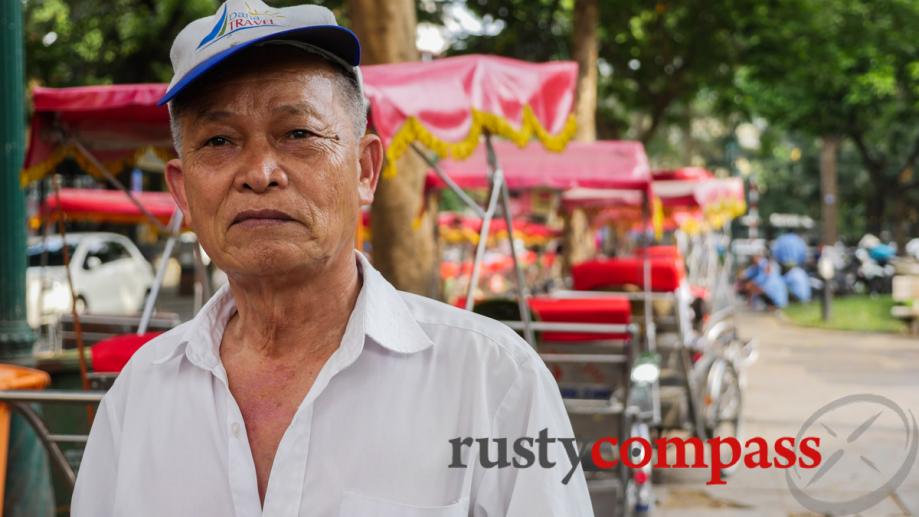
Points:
[[666, 273], [608, 309]]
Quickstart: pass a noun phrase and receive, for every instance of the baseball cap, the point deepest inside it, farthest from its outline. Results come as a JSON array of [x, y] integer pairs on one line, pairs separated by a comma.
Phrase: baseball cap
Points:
[[239, 24]]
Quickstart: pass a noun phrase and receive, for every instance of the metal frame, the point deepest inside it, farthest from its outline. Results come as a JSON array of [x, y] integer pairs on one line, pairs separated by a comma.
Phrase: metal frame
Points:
[[21, 400], [618, 403], [498, 195]]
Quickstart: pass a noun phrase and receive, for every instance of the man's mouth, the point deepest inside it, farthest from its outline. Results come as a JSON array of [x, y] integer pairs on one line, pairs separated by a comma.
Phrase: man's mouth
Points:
[[268, 216]]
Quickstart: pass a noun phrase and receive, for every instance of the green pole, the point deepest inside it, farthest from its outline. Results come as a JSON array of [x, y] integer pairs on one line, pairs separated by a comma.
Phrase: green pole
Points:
[[16, 337]]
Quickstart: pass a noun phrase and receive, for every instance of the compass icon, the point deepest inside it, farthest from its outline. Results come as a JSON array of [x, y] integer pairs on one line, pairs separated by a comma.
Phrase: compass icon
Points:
[[850, 428]]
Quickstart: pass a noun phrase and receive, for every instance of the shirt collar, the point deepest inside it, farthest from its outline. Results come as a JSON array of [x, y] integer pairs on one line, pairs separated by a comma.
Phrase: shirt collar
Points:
[[386, 318], [389, 320]]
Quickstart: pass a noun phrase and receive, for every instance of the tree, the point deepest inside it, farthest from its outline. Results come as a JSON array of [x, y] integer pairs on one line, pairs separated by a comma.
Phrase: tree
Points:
[[84, 42], [578, 240], [584, 48], [401, 222], [844, 69], [80, 42], [655, 58]]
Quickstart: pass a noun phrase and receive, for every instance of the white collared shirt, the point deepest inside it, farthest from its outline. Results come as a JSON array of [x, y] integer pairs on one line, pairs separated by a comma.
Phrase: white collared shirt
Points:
[[371, 438]]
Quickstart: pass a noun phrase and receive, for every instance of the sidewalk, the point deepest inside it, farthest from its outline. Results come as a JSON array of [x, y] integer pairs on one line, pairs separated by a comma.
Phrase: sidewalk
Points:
[[799, 371]]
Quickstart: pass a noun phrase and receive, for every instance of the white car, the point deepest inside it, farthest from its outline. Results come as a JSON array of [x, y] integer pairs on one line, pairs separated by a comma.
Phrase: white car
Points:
[[110, 276]]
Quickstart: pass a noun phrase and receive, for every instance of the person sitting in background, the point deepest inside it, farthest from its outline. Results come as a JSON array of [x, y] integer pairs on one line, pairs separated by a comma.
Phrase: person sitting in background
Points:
[[762, 281], [798, 284]]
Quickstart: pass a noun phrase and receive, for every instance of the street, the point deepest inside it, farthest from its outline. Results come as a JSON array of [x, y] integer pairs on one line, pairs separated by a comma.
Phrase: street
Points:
[[798, 371]]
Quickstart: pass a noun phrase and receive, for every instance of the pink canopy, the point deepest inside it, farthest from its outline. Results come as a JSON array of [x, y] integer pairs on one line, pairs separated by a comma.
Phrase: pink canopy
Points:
[[109, 205], [606, 164], [695, 187], [683, 173], [447, 104], [690, 194], [114, 123]]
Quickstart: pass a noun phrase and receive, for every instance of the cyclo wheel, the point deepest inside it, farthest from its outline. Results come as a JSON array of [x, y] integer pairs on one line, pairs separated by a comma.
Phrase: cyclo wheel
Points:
[[722, 401]]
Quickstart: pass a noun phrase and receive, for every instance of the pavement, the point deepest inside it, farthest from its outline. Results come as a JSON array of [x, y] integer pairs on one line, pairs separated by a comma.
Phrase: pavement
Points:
[[863, 438]]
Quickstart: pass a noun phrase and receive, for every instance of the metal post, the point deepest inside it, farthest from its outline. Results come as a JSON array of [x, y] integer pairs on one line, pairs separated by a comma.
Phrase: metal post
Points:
[[449, 182], [114, 181], [522, 304], [16, 337], [496, 182], [174, 225], [647, 220]]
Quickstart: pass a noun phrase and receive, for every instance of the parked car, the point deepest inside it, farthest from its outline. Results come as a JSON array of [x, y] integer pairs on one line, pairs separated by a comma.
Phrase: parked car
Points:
[[110, 276]]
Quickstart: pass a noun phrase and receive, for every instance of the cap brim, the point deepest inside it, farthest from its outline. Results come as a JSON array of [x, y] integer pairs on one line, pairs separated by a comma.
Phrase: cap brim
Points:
[[333, 38]]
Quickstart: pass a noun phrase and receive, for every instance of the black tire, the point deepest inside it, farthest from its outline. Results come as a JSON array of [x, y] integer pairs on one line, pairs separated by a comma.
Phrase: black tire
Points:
[[722, 417]]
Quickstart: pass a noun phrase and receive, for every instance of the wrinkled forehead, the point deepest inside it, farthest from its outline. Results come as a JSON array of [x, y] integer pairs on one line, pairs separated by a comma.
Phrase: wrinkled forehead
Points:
[[258, 78]]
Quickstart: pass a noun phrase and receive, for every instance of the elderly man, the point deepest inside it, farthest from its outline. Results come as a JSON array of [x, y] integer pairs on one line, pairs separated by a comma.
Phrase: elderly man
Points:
[[309, 385]]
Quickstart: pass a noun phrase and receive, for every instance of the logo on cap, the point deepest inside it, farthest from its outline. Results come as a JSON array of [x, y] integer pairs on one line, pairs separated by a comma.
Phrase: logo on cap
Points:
[[228, 23]]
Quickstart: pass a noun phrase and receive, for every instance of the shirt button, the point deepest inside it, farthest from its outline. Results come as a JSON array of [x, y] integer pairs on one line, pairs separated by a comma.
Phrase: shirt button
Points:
[[235, 429]]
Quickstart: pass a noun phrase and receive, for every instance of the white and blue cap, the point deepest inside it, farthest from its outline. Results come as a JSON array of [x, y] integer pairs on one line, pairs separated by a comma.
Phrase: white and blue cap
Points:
[[239, 24]]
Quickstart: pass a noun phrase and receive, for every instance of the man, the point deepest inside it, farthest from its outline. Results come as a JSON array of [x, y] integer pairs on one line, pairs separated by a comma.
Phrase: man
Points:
[[762, 282], [309, 385]]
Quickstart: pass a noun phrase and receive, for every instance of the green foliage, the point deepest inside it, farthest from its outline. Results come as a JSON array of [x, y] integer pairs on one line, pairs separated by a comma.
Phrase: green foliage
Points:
[[845, 68], [80, 42]]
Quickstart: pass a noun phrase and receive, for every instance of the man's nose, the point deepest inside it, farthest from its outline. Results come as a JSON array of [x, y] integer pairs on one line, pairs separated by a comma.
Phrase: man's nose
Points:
[[260, 170]]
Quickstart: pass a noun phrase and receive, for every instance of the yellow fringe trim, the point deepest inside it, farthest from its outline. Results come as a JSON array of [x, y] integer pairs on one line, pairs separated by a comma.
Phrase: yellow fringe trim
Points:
[[657, 218], [412, 130], [61, 153]]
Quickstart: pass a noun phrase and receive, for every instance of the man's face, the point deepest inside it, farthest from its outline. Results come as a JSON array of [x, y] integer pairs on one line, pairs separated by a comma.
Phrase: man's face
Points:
[[272, 173]]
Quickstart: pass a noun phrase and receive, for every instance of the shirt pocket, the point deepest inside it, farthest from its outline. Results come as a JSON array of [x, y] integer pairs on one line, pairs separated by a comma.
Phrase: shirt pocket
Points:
[[358, 505]]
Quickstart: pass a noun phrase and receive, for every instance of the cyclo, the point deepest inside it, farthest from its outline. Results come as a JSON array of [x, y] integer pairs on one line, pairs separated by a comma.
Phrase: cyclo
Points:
[[696, 343], [593, 342]]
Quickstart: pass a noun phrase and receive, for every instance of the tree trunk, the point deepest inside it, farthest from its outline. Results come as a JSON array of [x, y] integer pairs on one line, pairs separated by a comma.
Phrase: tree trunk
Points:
[[875, 209], [402, 231], [585, 47], [386, 29], [828, 174], [577, 238]]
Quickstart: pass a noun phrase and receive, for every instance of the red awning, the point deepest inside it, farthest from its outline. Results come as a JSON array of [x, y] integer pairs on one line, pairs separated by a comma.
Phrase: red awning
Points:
[[444, 104], [605, 164], [447, 104], [684, 173], [115, 123], [690, 194], [109, 205]]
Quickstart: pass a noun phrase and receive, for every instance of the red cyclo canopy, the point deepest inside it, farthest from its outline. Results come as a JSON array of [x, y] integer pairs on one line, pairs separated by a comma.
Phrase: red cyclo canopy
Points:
[[605, 164], [684, 173], [113, 122], [109, 205], [446, 104]]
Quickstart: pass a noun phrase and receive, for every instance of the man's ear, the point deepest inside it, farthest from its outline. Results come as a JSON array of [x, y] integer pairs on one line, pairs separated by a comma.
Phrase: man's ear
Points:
[[371, 161], [175, 178]]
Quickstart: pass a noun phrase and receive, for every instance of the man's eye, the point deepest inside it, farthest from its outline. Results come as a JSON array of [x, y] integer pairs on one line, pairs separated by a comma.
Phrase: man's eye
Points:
[[299, 133], [217, 141]]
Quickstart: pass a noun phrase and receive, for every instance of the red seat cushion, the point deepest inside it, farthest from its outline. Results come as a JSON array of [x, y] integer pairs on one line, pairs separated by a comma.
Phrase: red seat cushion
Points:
[[612, 310], [666, 273], [110, 355]]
